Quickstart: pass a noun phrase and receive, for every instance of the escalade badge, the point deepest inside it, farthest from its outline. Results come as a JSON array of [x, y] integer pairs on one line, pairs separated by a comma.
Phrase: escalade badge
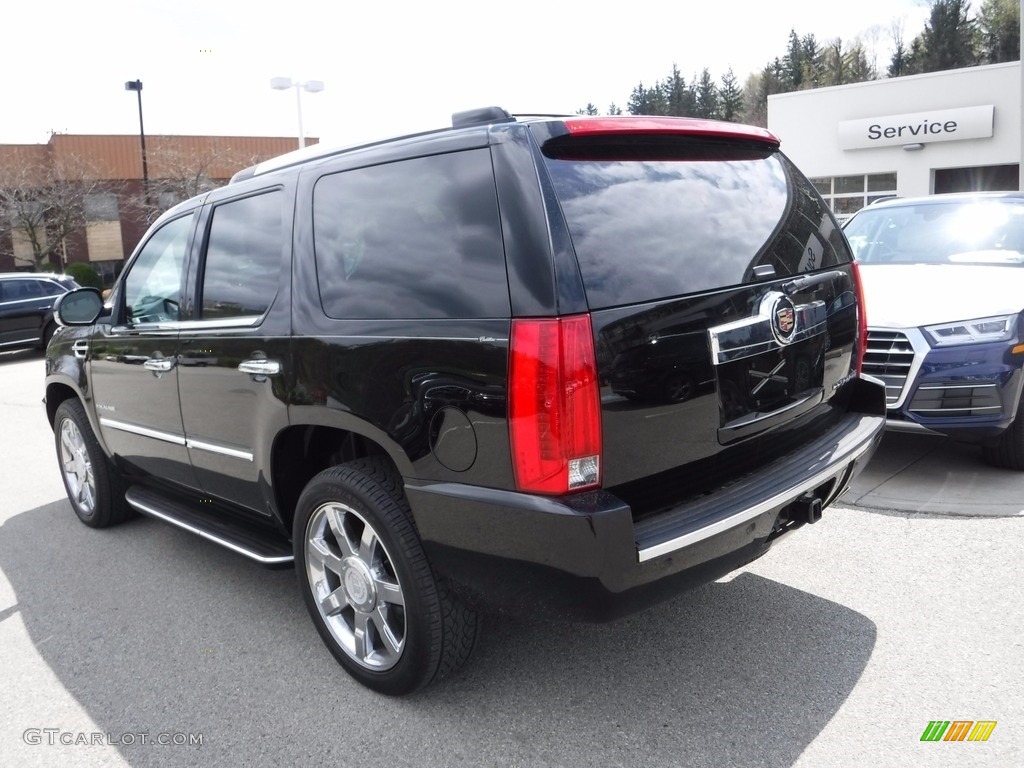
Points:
[[783, 319]]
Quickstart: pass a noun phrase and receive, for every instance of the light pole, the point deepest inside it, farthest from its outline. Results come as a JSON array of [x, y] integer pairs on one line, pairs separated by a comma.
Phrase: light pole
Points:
[[284, 83], [136, 85]]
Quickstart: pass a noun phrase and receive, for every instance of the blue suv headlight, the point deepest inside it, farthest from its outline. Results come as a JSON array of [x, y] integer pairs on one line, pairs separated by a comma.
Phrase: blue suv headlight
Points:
[[981, 331]]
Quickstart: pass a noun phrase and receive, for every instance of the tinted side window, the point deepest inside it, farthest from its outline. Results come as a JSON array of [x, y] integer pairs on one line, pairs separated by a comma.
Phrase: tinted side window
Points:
[[152, 288], [243, 257], [50, 288], [412, 239], [645, 227], [31, 289]]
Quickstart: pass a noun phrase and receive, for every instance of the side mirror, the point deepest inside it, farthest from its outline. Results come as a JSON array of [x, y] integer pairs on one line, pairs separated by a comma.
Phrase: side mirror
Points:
[[78, 307]]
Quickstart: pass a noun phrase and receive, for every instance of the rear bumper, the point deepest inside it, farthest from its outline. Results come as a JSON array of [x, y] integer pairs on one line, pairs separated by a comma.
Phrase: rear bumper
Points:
[[583, 557]]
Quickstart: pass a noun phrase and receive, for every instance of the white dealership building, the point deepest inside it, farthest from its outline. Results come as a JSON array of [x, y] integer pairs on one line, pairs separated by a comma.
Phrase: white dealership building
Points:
[[918, 135]]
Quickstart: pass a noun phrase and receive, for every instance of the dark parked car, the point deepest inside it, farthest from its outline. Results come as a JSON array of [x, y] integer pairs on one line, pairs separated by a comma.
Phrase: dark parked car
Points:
[[396, 366], [944, 278], [26, 308]]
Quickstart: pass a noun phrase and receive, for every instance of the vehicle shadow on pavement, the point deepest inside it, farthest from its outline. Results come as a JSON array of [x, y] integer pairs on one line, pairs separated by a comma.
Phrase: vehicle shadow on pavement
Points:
[[20, 356], [153, 630]]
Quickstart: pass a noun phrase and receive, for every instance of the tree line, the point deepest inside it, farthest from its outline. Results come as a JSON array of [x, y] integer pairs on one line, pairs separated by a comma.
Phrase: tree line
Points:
[[951, 39]]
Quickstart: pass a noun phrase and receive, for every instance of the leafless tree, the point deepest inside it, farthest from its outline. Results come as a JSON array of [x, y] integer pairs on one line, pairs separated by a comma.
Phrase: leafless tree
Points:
[[179, 174], [44, 202]]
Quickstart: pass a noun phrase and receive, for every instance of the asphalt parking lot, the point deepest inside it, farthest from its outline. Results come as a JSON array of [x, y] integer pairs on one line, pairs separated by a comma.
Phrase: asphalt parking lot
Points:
[[836, 649]]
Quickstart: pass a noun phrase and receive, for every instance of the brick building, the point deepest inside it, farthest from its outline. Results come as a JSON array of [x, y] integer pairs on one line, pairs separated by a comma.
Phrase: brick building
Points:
[[81, 198]]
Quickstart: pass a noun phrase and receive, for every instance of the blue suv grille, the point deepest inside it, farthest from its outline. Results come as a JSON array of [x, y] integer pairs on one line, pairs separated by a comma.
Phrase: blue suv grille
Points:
[[889, 358]]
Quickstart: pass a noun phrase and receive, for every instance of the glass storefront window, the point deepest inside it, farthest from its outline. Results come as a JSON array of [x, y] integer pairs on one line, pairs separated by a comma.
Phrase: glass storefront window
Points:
[[848, 194]]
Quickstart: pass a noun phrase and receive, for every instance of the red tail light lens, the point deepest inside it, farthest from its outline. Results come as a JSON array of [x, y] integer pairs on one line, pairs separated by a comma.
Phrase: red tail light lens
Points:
[[862, 318], [554, 405]]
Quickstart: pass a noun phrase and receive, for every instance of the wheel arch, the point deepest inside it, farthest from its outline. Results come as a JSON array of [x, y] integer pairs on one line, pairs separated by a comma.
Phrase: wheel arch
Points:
[[301, 451], [56, 393]]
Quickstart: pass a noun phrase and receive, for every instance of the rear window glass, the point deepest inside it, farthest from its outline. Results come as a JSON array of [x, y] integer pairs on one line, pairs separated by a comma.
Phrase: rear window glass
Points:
[[693, 218], [416, 239]]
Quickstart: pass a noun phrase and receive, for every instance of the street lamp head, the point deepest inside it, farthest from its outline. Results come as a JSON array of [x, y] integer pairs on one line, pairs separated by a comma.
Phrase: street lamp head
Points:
[[313, 86], [133, 85], [281, 83]]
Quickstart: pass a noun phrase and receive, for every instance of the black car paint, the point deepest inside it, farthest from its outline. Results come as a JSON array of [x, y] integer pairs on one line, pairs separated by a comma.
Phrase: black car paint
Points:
[[393, 384]]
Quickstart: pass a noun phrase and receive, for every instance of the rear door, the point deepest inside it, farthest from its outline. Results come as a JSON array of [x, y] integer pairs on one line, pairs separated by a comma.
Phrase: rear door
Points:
[[24, 302], [234, 361]]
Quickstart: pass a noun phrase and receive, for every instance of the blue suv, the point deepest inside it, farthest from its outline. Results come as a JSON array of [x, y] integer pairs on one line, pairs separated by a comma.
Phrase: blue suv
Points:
[[944, 282]]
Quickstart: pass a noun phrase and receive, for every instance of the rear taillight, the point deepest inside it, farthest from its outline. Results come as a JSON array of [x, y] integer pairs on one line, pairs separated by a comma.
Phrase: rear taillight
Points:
[[554, 405], [862, 319]]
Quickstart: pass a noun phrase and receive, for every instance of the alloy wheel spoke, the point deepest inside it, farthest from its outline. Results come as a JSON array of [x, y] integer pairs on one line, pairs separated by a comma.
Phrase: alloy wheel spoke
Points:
[[360, 633], [321, 552], [67, 450], [384, 631], [367, 545], [336, 522], [334, 603], [389, 592]]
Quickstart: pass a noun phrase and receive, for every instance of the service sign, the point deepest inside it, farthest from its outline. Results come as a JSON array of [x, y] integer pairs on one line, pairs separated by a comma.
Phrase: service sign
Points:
[[917, 128]]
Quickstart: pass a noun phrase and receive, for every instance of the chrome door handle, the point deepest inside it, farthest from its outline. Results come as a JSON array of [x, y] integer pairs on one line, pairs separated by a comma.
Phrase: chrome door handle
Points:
[[260, 367], [160, 364]]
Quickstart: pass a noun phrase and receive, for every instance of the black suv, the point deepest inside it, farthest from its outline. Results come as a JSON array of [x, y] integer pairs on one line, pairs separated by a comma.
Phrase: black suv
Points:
[[26, 308], [417, 370]]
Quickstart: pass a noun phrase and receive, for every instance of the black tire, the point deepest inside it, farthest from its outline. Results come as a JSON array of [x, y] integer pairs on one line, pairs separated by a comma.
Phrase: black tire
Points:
[[95, 490], [372, 595], [47, 335], [1007, 452]]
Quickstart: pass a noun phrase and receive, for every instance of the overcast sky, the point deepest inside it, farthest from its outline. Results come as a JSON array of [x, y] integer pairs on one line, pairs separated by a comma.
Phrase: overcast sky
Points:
[[389, 66]]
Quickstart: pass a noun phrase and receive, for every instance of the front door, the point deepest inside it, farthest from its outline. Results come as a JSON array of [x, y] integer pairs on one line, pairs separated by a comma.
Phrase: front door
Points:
[[134, 360]]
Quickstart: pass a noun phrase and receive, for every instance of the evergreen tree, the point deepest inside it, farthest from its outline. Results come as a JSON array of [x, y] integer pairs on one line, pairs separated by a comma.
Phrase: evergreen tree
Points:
[[811, 62], [707, 96], [730, 97], [759, 87], [898, 60], [999, 31], [613, 109], [793, 62], [859, 67], [837, 71], [949, 37], [638, 103], [656, 102], [678, 97]]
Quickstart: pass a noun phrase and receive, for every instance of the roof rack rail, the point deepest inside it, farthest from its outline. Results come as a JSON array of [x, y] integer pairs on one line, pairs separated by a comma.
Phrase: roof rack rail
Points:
[[481, 116]]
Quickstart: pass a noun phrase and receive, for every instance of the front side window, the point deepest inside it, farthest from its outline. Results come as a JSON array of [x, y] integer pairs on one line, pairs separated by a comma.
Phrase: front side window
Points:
[[152, 289], [416, 239]]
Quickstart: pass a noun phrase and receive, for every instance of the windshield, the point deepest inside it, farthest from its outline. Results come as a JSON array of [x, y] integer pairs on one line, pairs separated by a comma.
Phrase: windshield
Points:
[[987, 232]]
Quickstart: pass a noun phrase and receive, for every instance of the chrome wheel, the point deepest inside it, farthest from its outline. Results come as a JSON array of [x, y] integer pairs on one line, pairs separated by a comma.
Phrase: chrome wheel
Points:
[[77, 467], [355, 586]]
